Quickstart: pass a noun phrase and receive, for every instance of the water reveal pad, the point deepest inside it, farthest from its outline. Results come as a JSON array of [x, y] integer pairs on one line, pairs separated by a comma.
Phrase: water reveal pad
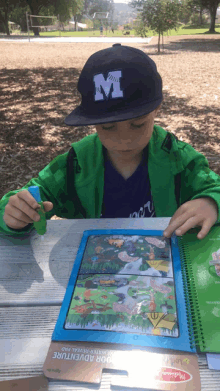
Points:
[[125, 288]]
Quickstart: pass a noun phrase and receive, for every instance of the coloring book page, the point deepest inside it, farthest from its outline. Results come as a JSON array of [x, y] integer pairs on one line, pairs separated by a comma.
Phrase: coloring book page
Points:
[[125, 283]]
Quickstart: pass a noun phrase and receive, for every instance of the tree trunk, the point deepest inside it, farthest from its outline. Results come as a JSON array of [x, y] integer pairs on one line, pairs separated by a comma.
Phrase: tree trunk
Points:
[[212, 10], [159, 42], [34, 12], [23, 24], [200, 16], [7, 28], [36, 31], [5, 19]]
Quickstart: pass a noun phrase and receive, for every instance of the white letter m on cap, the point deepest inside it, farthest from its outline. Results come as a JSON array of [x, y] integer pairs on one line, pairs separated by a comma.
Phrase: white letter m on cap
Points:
[[113, 79]]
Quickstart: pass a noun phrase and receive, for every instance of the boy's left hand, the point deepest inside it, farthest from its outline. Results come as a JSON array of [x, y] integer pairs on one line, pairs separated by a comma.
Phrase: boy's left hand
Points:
[[202, 212]]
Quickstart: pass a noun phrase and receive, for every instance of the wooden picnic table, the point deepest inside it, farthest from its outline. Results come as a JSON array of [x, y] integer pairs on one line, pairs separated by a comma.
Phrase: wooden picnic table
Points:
[[34, 275]]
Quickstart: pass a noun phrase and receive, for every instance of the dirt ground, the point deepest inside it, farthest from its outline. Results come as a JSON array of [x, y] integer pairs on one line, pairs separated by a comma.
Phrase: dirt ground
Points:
[[38, 89]]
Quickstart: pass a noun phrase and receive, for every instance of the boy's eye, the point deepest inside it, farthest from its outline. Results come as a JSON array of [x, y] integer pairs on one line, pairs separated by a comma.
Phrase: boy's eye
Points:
[[132, 125], [137, 126], [108, 127]]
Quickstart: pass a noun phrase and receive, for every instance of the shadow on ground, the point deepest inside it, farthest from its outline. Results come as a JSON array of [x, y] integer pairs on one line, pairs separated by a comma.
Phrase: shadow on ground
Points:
[[202, 45], [33, 106]]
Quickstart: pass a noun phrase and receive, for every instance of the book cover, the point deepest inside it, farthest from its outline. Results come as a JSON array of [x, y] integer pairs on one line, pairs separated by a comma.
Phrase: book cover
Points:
[[147, 369], [200, 261]]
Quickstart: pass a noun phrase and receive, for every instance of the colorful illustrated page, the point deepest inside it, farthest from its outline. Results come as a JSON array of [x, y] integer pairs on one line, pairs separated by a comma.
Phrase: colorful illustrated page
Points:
[[125, 284]]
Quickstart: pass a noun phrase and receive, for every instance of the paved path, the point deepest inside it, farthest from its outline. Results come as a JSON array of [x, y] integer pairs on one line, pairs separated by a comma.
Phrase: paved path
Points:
[[80, 39]]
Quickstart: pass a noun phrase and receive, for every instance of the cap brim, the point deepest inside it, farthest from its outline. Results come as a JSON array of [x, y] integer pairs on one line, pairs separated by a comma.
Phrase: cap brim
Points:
[[79, 118]]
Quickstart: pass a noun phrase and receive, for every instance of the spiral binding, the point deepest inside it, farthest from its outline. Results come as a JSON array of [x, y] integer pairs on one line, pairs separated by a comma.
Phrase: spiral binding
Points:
[[196, 335]]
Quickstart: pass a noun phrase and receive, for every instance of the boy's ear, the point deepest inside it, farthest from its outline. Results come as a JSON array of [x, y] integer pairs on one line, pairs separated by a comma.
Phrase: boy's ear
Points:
[[157, 109]]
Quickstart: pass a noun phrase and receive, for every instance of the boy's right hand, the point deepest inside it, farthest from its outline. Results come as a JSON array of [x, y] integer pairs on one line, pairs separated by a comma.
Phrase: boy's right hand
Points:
[[21, 210]]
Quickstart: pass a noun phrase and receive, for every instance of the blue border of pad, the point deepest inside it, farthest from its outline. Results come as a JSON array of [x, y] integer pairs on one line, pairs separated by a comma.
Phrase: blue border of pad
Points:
[[180, 343]]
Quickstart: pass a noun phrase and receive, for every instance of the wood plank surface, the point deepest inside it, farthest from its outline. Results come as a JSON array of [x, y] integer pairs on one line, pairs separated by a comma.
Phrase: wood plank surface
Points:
[[37, 272], [33, 280]]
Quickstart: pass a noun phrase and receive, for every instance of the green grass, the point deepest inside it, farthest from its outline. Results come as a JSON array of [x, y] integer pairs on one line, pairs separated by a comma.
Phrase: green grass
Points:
[[183, 30], [96, 33], [193, 30], [189, 30]]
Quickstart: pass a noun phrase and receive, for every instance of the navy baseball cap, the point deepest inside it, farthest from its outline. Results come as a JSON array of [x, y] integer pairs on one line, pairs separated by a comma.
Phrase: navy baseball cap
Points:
[[116, 84]]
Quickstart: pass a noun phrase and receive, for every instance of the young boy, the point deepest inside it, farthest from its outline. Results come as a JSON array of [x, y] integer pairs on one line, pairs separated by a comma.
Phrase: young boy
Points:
[[130, 167]]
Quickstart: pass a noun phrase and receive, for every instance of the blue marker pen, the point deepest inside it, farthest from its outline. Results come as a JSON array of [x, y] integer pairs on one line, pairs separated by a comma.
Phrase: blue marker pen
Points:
[[41, 225]]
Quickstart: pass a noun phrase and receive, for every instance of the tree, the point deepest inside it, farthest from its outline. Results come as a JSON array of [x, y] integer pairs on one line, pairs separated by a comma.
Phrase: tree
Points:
[[77, 9], [35, 7], [212, 6], [6, 8], [92, 6], [196, 7], [98, 6], [188, 8], [62, 8], [18, 16], [158, 15], [204, 6]]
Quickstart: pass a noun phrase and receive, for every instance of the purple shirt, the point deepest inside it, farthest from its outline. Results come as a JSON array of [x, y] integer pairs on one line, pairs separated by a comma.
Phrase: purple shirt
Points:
[[127, 197]]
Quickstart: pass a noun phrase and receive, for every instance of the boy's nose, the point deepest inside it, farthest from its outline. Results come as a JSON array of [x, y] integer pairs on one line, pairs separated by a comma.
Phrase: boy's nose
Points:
[[123, 130]]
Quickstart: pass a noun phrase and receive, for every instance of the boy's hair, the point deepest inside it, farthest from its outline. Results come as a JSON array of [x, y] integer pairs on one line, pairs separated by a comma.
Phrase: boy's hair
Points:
[[117, 84]]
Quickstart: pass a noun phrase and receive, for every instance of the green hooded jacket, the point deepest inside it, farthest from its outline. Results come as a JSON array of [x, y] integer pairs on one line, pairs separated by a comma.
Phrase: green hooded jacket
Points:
[[177, 174]]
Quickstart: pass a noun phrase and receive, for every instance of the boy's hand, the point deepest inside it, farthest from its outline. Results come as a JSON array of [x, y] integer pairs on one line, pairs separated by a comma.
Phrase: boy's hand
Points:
[[21, 210], [202, 212]]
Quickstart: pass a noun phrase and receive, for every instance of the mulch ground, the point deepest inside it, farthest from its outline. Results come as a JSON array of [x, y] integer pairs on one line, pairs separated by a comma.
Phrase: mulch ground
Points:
[[38, 89]]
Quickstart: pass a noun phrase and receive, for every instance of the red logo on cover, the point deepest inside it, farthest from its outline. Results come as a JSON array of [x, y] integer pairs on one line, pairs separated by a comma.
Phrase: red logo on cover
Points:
[[173, 375]]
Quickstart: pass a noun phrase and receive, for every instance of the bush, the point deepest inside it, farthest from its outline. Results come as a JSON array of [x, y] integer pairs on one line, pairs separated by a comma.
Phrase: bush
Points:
[[127, 27], [195, 19], [141, 29]]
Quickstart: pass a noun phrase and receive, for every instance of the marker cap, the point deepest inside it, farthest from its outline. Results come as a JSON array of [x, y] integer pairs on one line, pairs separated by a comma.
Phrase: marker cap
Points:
[[35, 192]]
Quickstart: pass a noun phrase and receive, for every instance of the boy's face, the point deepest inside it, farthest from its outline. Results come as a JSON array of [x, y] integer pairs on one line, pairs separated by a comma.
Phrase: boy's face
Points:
[[126, 140]]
